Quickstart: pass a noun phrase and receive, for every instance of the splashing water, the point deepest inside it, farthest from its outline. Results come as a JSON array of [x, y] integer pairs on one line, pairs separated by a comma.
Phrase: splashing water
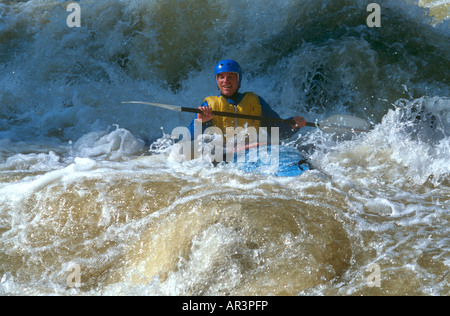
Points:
[[88, 194]]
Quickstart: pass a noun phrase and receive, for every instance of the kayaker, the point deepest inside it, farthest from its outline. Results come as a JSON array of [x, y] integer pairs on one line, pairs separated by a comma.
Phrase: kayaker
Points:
[[229, 78]]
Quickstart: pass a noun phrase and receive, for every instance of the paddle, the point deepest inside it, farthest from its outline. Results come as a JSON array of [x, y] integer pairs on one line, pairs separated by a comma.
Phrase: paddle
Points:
[[333, 124]]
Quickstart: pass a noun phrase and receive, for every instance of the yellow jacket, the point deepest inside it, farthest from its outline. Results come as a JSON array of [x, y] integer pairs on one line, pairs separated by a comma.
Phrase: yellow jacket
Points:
[[249, 105]]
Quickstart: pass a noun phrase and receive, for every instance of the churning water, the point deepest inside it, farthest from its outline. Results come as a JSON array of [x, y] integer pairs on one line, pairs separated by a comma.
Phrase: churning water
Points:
[[91, 204]]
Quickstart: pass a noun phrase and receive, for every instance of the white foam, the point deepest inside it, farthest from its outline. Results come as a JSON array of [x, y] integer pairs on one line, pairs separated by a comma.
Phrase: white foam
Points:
[[108, 145]]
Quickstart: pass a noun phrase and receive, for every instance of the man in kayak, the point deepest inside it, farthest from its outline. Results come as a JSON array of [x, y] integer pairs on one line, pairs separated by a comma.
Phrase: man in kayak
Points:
[[229, 77]]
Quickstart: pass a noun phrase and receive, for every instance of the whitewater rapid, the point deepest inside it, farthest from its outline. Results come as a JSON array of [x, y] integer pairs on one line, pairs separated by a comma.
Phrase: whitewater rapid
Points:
[[91, 202]]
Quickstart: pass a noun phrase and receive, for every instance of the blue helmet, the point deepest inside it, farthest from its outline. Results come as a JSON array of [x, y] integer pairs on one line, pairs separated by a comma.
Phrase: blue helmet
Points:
[[229, 65]]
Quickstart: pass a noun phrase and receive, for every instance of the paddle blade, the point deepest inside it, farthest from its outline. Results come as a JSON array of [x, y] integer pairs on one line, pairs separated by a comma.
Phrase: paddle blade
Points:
[[344, 124], [160, 105]]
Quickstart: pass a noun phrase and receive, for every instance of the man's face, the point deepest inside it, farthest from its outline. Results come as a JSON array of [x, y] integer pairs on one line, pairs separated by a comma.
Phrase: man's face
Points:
[[228, 83]]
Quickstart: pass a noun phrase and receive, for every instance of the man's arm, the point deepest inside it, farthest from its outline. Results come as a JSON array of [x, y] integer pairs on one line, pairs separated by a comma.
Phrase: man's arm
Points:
[[286, 130], [205, 125]]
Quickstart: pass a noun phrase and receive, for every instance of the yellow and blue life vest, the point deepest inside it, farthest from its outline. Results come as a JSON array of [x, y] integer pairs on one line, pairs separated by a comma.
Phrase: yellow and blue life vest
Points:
[[249, 105]]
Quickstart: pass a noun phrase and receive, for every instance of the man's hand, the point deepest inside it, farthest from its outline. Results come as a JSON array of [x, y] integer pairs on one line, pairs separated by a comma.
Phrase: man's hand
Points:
[[207, 114], [299, 122]]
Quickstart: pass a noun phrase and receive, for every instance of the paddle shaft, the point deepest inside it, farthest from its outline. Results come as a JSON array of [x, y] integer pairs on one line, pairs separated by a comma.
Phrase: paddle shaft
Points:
[[331, 124], [248, 117]]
